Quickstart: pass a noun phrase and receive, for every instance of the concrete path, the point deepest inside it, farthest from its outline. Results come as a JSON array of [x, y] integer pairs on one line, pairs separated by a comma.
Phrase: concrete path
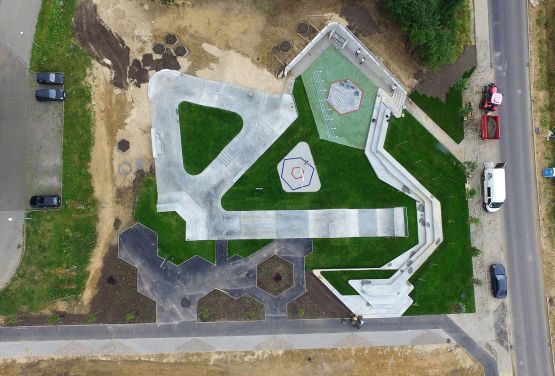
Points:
[[456, 149], [259, 335], [197, 198]]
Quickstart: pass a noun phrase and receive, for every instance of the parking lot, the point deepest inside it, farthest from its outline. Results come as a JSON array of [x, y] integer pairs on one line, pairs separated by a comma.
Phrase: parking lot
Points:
[[30, 137]]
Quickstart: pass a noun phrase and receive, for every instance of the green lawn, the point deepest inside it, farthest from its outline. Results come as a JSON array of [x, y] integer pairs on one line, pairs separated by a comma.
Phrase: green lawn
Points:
[[348, 181], [205, 131], [58, 244], [170, 228], [445, 114], [445, 278], [340, 280]]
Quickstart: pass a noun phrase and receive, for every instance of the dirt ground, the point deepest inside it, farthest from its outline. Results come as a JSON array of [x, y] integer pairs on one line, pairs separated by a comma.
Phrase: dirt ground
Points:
[[540, 98], [219, 306], [317, 303], [428, 360]]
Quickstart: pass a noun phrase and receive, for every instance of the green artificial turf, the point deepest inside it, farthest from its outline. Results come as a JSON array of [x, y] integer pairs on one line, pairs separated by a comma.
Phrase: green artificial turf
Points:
[[445, 279], [205, 131], [58, 244], [340, 279], [446, 114], [348, 181]]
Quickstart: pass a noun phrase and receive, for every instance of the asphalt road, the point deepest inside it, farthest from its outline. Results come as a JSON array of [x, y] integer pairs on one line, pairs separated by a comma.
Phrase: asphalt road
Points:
[[509, 44]]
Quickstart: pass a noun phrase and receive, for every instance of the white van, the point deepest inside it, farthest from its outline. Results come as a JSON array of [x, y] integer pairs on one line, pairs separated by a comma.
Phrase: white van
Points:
[[493, 189]]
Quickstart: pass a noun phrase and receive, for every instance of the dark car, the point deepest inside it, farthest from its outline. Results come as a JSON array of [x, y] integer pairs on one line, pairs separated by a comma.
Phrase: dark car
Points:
[[50, 95], [498, 281], [43, 202], [50, 78]]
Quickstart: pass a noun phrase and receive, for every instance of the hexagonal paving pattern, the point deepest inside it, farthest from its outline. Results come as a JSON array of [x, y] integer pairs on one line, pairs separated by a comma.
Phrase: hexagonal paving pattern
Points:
[[274, 275]]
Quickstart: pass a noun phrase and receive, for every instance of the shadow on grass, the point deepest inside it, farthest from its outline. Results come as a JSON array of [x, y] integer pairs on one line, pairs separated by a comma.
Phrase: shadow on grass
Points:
[[447, 115]]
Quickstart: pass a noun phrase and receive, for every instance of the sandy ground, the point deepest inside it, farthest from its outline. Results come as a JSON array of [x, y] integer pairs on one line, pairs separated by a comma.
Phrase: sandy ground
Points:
[[546, 190], [398, 361]]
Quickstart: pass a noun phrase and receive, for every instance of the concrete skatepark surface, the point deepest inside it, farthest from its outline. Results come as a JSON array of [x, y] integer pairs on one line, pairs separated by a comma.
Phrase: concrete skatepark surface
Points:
[[197, 198]]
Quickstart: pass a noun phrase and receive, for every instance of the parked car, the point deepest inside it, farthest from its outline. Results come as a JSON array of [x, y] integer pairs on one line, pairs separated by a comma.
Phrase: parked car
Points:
[[50, 78], [50, 95], [45, 202], [498, 281]]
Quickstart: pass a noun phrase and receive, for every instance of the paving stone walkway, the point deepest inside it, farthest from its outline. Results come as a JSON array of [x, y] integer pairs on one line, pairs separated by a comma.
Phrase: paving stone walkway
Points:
[[177, 289]]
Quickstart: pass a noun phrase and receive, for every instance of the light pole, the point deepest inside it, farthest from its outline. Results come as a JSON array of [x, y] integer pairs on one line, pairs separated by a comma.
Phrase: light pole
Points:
[[11, 219]]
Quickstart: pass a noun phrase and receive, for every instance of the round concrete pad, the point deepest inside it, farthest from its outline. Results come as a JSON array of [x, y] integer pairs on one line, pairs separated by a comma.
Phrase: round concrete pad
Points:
[[297, 171]]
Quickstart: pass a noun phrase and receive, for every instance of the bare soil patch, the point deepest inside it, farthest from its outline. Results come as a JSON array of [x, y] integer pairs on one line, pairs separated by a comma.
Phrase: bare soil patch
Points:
[[360, 20], [317, 303], [437, 84], [106, 47], [274, 275], [385, 361], [219, 306]]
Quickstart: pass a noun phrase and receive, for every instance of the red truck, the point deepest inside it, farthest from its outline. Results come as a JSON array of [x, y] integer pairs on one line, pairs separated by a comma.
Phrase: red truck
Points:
[[491, 127]]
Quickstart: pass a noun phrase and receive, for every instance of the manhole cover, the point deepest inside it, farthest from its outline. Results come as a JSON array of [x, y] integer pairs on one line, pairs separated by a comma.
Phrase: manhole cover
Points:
[[185, 303], [170, 39], [180, 51], [303, 28], [123, 145], [285, 46], [159, 48], [124, 168]]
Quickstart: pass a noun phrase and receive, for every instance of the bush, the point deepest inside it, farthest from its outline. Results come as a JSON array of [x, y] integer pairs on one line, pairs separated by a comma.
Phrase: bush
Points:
[[437, 30], [471, 193], [474, 252]]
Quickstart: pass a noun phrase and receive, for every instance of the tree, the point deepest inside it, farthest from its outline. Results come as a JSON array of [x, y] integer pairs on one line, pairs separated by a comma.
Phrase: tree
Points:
[[437, 30]]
